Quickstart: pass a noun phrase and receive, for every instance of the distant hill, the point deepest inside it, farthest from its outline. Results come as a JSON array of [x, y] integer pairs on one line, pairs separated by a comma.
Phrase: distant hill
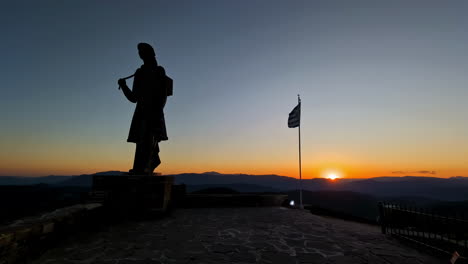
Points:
[[14, 180], [344, 203], [214, 178], [451, 189], [240, 187], [363, 207], [216, 190], [85, 180]]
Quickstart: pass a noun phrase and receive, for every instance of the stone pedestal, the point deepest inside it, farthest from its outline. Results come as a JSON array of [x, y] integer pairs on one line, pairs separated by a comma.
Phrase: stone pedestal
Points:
[[134, 193]]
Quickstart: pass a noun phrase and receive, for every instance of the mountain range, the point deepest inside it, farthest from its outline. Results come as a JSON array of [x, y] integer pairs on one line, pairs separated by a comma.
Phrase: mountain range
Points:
[[445, 189]]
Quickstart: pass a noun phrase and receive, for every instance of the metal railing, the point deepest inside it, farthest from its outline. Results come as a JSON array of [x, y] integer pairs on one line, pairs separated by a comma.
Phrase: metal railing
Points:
[[445, 233]]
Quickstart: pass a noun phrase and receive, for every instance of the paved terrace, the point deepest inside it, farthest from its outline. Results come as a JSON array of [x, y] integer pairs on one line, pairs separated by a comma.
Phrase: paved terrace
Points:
[[236, 235]]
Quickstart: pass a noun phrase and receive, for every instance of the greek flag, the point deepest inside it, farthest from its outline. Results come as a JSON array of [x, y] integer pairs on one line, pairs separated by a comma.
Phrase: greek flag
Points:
[[294, 119]]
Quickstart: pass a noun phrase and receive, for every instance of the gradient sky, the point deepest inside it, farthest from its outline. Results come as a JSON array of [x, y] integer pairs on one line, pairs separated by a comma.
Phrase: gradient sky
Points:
[[383, 85]]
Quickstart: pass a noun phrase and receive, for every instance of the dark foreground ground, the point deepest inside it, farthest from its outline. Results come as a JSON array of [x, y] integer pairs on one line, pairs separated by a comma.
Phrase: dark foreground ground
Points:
[[236, 235]]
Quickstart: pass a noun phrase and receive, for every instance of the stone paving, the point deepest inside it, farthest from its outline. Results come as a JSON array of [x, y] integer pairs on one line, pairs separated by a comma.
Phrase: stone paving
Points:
[[236, 235]]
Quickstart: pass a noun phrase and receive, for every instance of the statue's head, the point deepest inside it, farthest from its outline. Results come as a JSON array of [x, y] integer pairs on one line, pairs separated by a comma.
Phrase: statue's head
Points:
[[146, 51]]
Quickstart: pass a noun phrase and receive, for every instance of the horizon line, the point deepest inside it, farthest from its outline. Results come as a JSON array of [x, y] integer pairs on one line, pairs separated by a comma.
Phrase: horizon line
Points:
[[272, 174]]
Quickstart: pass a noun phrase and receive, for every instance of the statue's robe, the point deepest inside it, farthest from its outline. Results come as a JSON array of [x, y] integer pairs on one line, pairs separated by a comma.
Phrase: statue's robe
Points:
[[150, 95]]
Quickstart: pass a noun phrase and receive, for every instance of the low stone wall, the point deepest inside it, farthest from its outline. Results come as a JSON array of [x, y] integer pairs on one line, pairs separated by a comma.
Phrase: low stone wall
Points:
[[29, 237], [234, 200]]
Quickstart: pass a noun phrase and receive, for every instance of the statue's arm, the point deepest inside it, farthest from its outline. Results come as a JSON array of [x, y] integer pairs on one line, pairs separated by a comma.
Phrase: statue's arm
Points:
[[128, 93]]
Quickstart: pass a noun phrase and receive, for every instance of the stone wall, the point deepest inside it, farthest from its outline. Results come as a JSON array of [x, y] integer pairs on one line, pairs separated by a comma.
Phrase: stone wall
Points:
[[29, 237]]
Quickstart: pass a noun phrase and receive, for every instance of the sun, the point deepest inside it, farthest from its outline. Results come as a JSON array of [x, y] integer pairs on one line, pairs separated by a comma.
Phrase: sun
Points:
[[332, 176]]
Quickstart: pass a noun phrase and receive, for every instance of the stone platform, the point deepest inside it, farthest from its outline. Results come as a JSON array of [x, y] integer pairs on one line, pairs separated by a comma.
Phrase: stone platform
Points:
[[236, 235], [133, 193]]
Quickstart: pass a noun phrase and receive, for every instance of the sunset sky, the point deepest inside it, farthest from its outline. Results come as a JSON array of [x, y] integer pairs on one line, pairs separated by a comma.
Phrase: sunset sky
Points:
[[384, 86]]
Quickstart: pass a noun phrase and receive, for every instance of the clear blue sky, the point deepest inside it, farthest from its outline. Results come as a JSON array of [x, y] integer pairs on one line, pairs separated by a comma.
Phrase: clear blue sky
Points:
[[383, 85]]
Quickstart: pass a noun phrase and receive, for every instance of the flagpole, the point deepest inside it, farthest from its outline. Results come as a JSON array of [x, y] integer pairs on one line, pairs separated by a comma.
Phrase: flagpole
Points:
[[300, 165]]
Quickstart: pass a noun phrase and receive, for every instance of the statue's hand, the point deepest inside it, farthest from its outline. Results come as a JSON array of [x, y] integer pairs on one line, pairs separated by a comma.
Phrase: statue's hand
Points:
[[122, 83]]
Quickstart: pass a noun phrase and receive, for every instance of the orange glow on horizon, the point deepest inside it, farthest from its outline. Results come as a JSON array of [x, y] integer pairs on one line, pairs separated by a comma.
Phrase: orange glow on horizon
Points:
[[59, 161], [71, 168]]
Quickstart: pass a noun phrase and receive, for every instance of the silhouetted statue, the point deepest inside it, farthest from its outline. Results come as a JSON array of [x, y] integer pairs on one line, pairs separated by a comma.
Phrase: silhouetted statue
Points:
[[150, 89]]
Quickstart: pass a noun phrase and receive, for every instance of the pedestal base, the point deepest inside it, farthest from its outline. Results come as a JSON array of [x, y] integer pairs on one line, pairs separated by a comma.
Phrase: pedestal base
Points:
[[134, 193]]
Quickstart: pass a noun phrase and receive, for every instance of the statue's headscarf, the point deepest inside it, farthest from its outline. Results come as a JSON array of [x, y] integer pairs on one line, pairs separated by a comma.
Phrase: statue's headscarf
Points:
[[146, 49]]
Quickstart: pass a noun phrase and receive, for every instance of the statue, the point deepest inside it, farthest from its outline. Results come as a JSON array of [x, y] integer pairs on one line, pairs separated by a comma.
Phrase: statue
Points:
[[150, 89]]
